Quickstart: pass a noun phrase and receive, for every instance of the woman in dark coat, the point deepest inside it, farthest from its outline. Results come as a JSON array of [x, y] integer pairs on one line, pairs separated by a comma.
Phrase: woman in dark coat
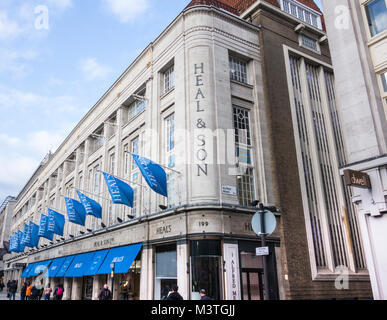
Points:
[[23, 292]]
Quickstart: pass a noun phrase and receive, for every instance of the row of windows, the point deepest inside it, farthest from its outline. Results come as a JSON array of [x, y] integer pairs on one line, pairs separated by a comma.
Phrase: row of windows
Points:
[[301, 13], [238, 72]]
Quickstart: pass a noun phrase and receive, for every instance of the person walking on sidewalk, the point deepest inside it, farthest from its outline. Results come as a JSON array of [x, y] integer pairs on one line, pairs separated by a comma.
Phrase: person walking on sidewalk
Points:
[[105, 293], [28, 291], [174, 294], [12, 290], [47, 293], [58, 293], [23, 292]]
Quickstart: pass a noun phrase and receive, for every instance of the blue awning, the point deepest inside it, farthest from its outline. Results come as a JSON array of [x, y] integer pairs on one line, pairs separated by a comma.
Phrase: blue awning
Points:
[[122, 257], [95, 264], [79, 265], [64, 267], [39, 268], [27, 271], [54, 268]]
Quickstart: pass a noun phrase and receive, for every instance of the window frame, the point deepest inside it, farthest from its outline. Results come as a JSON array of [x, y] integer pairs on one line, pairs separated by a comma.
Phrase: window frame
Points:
[[367, 18], [242, 63]]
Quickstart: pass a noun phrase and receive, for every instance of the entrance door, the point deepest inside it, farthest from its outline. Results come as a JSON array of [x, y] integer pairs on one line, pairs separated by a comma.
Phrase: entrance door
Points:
[[87, 288], [252, 284]]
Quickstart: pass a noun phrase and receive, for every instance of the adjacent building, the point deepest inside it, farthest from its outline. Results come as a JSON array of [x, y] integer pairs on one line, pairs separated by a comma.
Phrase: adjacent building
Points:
[[238, 99], [6, 210], [357, 33]]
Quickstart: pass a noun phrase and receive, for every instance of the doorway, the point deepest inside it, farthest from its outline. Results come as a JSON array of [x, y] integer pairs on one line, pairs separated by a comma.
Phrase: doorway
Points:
[[87, 293], [252, 284]]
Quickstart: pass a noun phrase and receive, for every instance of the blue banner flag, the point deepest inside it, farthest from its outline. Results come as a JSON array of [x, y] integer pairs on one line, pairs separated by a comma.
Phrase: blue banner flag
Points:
[[20, 246], [34, 235], [92, 207], [12, 243], [121, 192], [26, 236], [56, 222], [43, 228], [153, 173], [76, 212]]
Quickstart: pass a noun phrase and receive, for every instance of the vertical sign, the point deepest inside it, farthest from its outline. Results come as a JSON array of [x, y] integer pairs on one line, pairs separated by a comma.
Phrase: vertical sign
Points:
[[205, 185], [232, 280]]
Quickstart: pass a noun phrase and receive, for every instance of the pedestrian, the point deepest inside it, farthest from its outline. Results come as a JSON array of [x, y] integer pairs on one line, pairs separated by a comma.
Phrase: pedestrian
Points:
[[23, 292], [12, 290], [8, 286], [41, 292], [47, 293], [1, 285], [35, 293], [58, 292], [174, 295], [105, 293], [28, 291], [203, 295]]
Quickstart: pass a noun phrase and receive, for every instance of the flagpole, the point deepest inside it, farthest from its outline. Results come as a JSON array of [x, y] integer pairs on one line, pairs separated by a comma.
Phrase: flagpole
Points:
[[141, 185], [91, 194], [167, 168]]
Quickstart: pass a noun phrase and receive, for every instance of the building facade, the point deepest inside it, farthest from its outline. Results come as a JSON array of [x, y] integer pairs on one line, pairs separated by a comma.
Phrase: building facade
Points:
[[237, 99], [6, 210], [357, 32]]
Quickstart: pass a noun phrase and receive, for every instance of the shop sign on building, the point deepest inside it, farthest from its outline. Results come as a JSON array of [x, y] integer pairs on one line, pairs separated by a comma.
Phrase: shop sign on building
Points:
[[357, 179], [231, 256]]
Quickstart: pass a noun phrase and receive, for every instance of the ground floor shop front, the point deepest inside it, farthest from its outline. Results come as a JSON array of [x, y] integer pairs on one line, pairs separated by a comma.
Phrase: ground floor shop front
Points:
[[213, 250], [226, 269]]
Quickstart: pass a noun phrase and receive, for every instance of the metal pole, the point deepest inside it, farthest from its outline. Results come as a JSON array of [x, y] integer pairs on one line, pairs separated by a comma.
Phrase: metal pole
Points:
[[264, 258], [112, 276]]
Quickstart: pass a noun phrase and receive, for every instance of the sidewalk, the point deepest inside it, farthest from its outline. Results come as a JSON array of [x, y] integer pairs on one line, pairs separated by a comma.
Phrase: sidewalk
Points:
[[3, 295]]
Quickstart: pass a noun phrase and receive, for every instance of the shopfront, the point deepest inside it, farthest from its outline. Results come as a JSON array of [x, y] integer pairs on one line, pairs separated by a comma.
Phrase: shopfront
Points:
[[129, 283], [206, 268]]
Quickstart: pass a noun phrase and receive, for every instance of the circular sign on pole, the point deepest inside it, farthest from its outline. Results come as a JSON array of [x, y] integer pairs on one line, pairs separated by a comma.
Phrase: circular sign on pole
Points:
[[270, 222]]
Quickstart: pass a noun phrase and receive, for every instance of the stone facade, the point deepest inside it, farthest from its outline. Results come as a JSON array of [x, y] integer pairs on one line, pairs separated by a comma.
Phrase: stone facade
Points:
[[360, 60]]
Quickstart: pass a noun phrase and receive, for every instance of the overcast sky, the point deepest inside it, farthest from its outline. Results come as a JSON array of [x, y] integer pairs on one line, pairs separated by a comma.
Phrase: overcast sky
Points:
[[57, 58]]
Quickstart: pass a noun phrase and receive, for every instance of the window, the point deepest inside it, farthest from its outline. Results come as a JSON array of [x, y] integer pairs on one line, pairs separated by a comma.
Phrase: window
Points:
[[309, 43], [96, 179], [238, 70], [98, 140], [301, 12], [169, 79], [126, 159], [376, 11], [243, 149], [135, 179], [112, 163], [166, 270], [170, 158], [206, 264], [384, 81], [138, 105], [135, 150]]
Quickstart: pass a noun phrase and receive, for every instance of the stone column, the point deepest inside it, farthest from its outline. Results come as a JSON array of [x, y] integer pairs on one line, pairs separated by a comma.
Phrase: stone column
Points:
[[182, 268], [67, 295], [76, 290], [146, 278]]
